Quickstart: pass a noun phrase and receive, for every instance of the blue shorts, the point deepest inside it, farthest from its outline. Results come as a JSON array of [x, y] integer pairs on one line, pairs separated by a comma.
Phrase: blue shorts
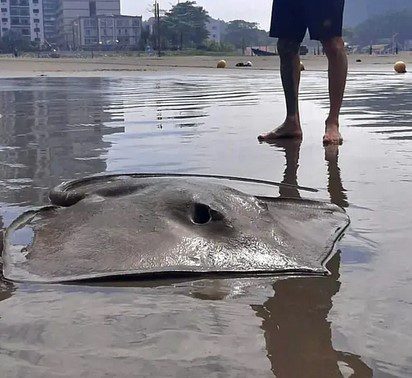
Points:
[[291, 18]]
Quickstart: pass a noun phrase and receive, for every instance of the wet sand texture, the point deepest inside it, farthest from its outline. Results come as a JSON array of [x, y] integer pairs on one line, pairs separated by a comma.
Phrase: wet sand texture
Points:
[[140, 65], [122, 226], [355, 322]]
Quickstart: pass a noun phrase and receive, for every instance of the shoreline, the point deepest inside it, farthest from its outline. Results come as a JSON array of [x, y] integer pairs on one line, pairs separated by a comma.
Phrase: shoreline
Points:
[[120, 65]]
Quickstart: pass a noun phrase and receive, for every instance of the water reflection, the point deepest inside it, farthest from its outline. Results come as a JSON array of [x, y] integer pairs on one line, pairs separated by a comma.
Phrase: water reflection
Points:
[[371, 108], [375, 101], [295, 320], [5, 288], [291, 148], [56, 129], [51, 131], [336, 190]]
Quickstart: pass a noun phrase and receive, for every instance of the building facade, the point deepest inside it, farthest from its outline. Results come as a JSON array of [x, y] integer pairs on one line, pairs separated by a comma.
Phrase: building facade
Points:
[[70, 10], [216, 29], [107, 31], [70, 24], [49, 20], [24, 17]]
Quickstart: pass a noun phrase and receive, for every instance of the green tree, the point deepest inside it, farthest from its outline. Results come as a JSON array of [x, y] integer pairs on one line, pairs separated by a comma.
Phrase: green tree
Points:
[[14, 40], [185, 25], [385, 26], [241, 33], [144, 38]]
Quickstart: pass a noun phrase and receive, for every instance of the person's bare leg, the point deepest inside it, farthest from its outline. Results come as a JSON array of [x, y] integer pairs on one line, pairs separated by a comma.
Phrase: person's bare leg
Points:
[[290, 72], [338, 70]]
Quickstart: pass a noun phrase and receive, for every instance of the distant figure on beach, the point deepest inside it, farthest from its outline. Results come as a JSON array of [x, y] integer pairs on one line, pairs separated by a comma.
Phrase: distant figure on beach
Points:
[[16, 52], [323, 18]]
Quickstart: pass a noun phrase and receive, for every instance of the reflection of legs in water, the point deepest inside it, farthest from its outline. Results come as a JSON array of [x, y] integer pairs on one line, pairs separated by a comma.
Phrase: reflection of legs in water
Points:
[[295, 320], [297, 332], [336, 190], [292, 150]]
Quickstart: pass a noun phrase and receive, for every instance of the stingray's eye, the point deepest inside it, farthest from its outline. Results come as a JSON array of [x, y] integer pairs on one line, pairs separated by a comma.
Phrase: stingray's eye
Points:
[[202, 214]]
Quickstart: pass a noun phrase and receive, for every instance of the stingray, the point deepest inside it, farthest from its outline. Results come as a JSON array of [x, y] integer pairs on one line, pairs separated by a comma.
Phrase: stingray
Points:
[[136, 226]]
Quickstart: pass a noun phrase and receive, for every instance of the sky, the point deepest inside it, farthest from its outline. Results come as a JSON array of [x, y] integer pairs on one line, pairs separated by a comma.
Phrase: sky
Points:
[[249, 10]]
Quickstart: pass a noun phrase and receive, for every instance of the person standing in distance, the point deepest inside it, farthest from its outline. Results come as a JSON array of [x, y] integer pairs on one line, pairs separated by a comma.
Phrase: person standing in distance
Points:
[[290, 20]]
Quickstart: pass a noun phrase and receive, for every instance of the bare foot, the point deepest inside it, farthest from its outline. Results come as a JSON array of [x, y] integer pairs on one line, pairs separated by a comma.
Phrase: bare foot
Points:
[[332, 134], [289, 129]]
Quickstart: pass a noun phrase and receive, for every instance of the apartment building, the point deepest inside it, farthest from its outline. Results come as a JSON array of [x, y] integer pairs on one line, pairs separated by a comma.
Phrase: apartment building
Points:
[[115, 31], [49, 20], [24, 17], [70, 10], [70, 24], [216, 29]]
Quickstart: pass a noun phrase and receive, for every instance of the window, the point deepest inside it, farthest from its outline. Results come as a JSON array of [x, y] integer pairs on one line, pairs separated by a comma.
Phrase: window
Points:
[[37, 30], [35, 1], [19, 11], [21, 3], [5, 20], [36, 20], [4, 9], [35, 11], [4, 30], [4, 1], [25, 31]]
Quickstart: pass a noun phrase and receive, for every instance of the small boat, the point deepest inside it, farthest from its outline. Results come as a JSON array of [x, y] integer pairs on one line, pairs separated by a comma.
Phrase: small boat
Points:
[[260, 52]]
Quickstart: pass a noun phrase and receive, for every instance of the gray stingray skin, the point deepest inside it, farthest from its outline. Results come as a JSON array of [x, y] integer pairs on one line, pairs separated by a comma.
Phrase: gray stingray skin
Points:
[[124, 226]]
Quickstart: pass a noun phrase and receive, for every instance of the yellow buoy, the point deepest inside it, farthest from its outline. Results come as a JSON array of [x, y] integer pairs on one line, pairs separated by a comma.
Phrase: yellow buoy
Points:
[[302, 67], [400, 67], [221, 64]]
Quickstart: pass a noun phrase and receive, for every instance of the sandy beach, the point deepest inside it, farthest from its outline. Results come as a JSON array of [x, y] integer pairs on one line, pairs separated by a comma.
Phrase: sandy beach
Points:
[[121, 65]]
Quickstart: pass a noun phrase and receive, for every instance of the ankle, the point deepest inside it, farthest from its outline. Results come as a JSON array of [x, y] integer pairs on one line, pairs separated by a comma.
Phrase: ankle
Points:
[[332, 121], [294, 118]]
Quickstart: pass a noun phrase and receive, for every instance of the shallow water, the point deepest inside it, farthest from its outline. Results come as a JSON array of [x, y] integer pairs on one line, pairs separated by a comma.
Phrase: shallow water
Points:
[[356, 321]]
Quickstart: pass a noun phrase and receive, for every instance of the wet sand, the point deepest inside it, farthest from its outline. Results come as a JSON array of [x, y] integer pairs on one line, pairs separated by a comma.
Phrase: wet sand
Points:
[[356, 321], [118, 66]]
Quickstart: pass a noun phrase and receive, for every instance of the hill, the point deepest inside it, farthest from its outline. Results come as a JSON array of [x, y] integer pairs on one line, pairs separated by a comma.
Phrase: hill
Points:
[[357, 11]]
